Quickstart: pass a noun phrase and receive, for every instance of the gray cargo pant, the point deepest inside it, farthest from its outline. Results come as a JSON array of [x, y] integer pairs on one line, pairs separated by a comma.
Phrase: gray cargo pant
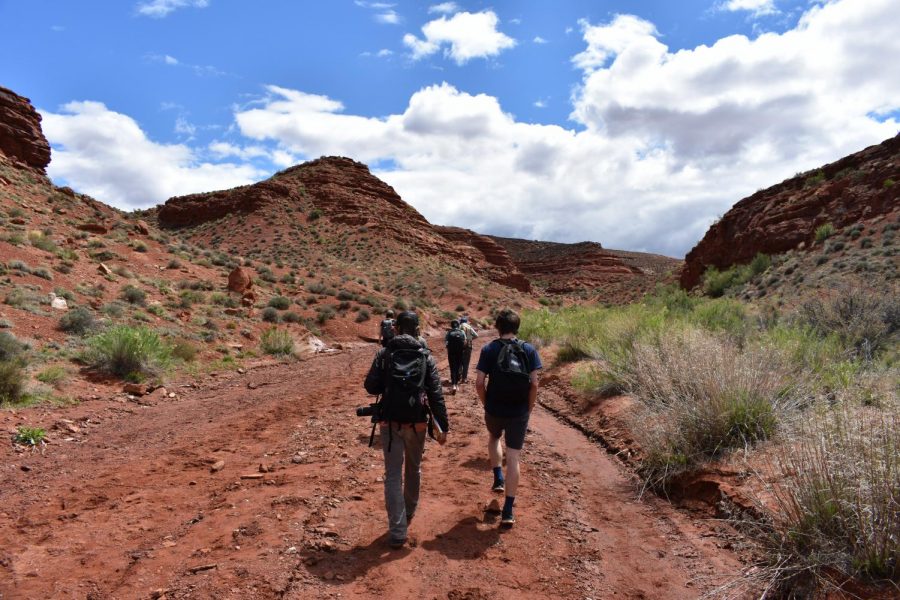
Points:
[[401, 485]]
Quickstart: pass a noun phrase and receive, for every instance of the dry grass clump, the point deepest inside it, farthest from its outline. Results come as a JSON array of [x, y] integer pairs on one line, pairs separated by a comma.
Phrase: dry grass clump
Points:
[[836, 504], [702, 396]]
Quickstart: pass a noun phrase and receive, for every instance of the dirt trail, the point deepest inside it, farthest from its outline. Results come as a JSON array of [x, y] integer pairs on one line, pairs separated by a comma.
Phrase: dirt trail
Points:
[[129, 506]]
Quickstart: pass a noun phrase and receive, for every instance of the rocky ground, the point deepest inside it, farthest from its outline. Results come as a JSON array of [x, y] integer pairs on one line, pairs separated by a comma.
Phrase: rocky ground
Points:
[[261, 485]]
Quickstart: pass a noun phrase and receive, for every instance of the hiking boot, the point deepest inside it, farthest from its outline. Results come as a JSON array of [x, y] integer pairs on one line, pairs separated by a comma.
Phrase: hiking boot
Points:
[[397, 544], [507, 520], [499, 486]]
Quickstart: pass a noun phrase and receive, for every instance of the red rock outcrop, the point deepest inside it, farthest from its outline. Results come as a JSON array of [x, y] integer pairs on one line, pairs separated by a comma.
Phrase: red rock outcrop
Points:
[[494, 261], [564, 268], [239, 280], [21, 137], [853, 189]]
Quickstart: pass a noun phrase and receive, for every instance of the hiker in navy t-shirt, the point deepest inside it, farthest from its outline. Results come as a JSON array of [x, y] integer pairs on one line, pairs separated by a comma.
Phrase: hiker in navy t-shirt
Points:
[[507, 386]]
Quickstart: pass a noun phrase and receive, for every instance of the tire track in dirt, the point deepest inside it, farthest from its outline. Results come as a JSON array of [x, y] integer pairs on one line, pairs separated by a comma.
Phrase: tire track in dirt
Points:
[[129, 512]]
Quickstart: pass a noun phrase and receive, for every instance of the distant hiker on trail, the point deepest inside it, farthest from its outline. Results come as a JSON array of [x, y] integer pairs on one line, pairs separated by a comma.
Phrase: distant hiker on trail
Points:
[[456, 345], [406, 376], [509, 368], [471, 334], [386, 329]]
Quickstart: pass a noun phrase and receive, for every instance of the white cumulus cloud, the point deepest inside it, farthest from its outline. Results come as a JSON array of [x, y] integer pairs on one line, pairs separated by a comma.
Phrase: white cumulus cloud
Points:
[[444, 8], [757, 7], [161, 8], [106, 154], [464, 36]]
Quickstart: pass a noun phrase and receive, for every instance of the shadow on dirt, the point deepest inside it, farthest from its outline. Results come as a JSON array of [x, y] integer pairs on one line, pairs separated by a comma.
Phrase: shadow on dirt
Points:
[[464, 541], [348, 565]]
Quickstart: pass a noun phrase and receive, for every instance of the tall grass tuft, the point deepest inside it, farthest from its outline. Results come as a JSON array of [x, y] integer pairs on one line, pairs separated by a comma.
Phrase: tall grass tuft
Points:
[[277, 342], [702, 396], [837, 502], [129, 352]]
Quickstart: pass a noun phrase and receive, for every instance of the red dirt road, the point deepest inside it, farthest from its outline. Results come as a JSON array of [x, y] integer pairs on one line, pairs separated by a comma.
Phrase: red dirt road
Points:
[[130, 507]]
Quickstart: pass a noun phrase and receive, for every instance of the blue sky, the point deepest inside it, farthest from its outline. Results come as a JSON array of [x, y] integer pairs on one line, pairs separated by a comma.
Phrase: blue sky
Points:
[[558, 120]]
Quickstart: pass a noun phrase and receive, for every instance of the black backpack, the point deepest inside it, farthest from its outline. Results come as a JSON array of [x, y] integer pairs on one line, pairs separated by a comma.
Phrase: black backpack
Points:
[[387, 330], [510, 378], [405, 370], [456, 341]]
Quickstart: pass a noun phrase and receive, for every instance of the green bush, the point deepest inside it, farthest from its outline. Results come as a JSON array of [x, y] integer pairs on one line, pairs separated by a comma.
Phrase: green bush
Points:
[[53, 375], [10, 347], [270, 315], [30, 435], [134, 295], [277, 342], [12, 381], [290, 317], [823, 232], [280, 302], [128, 352], [362, 316], [185, 351], [79, 321]]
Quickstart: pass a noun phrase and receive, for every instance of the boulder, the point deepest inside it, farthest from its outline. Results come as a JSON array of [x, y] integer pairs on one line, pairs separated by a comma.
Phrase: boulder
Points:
[[142, 228], [239, 280]]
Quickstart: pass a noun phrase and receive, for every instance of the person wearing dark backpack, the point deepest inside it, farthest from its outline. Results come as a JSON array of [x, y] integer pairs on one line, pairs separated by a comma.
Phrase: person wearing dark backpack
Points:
[[456, 347], [386, 328], [406, 377], [507, 386]]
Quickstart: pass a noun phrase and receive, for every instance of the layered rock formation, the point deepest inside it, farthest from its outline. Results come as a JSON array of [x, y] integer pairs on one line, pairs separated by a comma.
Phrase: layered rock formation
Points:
[[856, 188], [564, 268], [21, 137], [494, 261]]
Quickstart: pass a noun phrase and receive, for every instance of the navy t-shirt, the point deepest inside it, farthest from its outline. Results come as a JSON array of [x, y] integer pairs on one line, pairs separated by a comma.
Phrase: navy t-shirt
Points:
[[486, 363]]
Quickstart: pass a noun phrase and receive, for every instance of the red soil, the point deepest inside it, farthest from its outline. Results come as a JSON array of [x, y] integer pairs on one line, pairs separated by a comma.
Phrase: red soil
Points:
[[124, 502]]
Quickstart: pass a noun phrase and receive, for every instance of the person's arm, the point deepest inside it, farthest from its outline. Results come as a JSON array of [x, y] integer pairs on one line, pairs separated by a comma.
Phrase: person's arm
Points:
[[481, 388], [532, 393], [374, 382], [436, 395]]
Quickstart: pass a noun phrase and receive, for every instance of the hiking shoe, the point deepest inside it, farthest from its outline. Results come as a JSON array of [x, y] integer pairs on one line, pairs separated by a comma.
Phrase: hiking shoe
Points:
[[499, 486], [397, 544], [507, 520]]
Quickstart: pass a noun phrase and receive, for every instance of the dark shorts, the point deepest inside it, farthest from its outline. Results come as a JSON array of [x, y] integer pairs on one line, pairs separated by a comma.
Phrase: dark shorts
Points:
[[513, 427]]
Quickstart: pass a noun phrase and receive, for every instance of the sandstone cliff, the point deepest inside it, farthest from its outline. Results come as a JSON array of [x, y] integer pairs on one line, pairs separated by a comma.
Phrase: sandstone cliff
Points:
[[856, 188], [21, 137]]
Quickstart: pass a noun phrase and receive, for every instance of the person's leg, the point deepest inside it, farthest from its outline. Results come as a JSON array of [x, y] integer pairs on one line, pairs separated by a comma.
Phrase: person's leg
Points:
[[455, 367], [515, 439], [466, 359], [414, 441], [393, 447], [495, 452]]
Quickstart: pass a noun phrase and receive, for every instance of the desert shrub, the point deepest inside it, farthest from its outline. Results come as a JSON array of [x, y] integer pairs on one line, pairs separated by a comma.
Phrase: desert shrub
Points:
[[133, 295], [823, 232], [53, 375], [345, 295], [814, 179], [31, 436], [280, 302], [315, 214], [323, 314], [139, 246], [290, 317], [188, 298], [129, 352], [79, 320], [270, 315], [316, 288], [12, 381], [836, 515], [174, 264], [39, 240], [113, 309], [184, 350], [701, 396], [43, 273], [863, 322], [277, 342], [362, 316], [10, 347]]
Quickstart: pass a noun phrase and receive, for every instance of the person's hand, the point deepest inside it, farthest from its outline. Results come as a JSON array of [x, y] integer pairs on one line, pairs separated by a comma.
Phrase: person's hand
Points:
[[440, 437]]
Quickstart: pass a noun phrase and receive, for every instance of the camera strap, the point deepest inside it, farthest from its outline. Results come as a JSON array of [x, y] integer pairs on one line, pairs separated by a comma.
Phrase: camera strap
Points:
[[374, 425]]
